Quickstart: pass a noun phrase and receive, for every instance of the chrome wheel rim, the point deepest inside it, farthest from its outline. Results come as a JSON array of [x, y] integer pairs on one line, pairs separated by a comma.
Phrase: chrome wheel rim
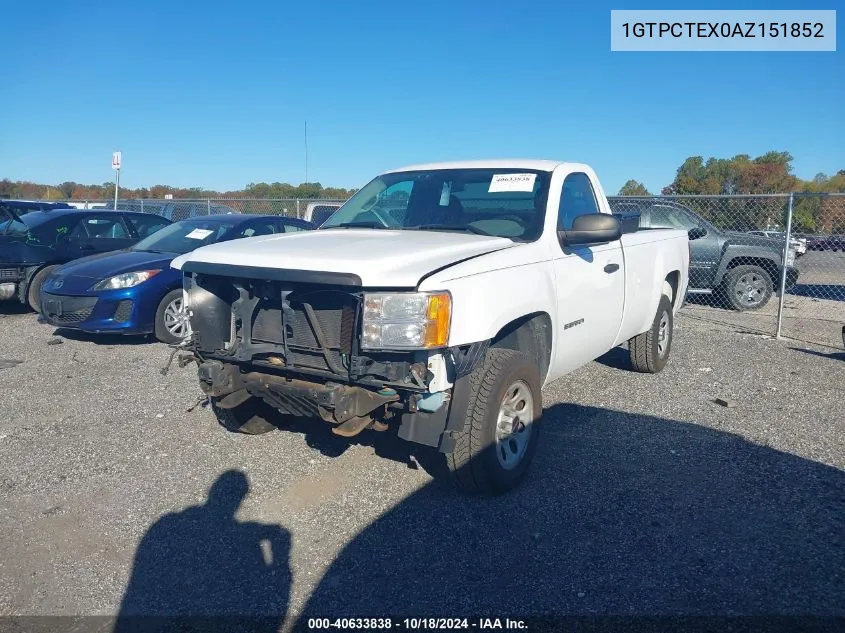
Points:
[[513, 424], [663, 335], [749, 289], [176, 319]]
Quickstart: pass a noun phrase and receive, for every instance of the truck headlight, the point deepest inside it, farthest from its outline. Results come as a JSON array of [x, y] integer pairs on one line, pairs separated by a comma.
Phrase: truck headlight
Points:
[[406, 320]]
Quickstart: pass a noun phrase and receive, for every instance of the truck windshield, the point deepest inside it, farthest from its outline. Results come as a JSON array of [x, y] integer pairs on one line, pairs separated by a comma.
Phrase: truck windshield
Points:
[[501, 202]]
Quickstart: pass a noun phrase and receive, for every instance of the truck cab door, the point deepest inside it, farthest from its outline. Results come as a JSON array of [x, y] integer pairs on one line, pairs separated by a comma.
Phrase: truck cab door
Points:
[[590, 281]]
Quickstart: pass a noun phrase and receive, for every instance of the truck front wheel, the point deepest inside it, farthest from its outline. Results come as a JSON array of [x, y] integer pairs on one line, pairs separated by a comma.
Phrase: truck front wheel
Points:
[[501, 428]]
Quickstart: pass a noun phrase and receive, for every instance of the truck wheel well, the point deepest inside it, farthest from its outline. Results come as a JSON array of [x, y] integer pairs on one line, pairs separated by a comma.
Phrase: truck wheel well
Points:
[[769, 265], [673, 279], [531, 335]]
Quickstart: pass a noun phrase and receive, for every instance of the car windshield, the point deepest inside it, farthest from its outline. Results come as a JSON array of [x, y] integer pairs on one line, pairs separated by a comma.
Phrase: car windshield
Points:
[[186, 235], [501, 202], [671, 217]]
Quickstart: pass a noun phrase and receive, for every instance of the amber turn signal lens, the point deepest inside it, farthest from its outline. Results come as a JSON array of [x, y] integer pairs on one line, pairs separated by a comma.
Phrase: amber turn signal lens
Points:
[[438, 320]]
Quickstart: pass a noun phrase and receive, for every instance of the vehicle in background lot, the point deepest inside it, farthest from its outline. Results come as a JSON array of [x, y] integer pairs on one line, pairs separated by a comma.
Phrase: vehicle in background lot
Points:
[[812, 240], [319, 212], [833, 243], [500, 277], [34, 244], [799, 244], [135, 291], [21, 207], [175, 210], [740, 268]]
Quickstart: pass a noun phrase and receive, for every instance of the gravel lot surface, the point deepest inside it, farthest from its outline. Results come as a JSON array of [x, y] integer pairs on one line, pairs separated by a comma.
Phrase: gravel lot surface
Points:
[[646, 497]]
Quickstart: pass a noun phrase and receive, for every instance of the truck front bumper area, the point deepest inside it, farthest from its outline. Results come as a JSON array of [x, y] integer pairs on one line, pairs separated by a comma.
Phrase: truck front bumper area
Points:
[[351, 408]]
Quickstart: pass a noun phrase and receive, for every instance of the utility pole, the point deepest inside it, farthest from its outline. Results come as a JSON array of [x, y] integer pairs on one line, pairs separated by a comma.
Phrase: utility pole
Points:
[[306, 151]]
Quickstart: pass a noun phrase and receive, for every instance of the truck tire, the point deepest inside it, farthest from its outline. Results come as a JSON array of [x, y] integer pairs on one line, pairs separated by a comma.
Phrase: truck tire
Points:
[[501, 428], [248, 418], [748, 287], [650, 350], [33, 292]]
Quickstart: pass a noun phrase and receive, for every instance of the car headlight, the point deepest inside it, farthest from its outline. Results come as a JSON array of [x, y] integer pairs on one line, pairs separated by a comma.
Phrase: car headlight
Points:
[[407, 320], [125, 280]]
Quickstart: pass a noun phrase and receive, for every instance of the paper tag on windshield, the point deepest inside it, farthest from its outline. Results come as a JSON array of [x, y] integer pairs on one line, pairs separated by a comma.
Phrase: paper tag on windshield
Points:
[[199, 234], [512, 182]]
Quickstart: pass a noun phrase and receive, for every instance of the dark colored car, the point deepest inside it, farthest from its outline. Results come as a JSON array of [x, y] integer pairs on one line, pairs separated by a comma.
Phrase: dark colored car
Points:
[[134, 290], [25, 206], [33, 244], [739, 268], [831, 243]]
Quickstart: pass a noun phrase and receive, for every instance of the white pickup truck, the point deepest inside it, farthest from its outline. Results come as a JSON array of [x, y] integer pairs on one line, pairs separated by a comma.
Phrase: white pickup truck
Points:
[[437, 301]]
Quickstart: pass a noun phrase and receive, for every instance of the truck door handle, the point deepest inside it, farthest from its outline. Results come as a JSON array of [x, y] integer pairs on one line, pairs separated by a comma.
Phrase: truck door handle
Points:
[[611, 268]]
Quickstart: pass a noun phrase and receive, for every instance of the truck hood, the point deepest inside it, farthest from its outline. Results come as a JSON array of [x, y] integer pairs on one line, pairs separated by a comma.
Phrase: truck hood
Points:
[[380, 257]]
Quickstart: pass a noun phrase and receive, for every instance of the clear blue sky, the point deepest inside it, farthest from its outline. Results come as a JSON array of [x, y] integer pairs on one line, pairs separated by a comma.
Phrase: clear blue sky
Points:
[[214, 94]]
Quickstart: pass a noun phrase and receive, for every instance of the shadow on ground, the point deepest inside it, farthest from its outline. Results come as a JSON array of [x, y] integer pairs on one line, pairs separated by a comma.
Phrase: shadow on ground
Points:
[[194, 566], [103, 339], [812, 352], [831, 292], [11, 307], [620, 515]]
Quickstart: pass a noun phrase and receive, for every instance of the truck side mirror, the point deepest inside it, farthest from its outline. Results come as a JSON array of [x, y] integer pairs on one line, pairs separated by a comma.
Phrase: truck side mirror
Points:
[[696, 233], [591, 228]]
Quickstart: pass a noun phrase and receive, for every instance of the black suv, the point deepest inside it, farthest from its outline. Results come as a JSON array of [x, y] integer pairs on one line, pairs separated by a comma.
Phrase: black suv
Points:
[[33, 244], [742, 270]]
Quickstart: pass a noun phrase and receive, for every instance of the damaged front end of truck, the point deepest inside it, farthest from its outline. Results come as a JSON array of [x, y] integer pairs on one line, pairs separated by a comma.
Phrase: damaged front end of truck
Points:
[[319, 345]]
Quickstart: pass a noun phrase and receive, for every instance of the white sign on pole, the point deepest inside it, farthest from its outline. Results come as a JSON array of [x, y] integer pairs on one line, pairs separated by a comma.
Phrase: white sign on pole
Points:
[[115, 160]]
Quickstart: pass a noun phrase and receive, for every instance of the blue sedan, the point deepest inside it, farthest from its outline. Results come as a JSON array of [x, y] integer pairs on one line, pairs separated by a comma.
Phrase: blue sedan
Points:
[[134, 290]]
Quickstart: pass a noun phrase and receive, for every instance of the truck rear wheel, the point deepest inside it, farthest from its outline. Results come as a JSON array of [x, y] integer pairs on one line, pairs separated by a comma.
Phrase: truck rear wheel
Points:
[[501, 428], [650, 350], [249, 417]]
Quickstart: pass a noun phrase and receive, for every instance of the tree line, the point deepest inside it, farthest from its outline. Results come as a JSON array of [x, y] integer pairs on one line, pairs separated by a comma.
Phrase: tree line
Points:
[[70, 190], [769, 173], [766, 174]]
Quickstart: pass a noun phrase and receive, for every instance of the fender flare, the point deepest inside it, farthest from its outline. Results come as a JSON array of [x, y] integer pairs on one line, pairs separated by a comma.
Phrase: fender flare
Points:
[[751, 252]]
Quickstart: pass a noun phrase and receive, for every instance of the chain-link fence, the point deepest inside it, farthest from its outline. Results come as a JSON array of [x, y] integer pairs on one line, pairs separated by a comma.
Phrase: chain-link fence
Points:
[[181, 208], [773, 264]]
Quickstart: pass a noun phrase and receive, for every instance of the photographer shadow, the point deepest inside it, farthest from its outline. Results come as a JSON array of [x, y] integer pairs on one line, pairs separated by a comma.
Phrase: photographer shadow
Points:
[[203, 570]]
